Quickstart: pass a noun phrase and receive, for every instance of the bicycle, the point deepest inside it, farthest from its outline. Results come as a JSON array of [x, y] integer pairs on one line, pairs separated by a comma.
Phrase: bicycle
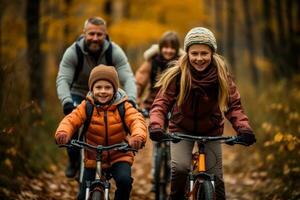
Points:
[[162, 170], [100, 187], [201, 184]]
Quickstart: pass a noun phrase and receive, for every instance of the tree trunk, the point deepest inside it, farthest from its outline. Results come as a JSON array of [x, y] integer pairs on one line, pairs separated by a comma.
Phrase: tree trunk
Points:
[[292, 43], [269, 47], [284, 68], [250, 40], [231, 34], [2, 8], [219, 25], [67, 25], [108, 11], [36, 69]]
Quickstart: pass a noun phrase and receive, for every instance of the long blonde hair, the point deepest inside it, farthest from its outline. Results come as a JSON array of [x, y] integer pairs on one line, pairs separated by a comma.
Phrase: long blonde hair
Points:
[[182, 66]]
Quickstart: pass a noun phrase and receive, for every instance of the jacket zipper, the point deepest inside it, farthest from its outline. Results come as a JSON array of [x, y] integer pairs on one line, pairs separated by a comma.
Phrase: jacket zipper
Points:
[[195, 99], [106, 134]]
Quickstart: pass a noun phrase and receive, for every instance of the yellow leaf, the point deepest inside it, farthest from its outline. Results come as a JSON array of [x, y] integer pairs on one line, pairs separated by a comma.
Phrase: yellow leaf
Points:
[[268, 143], [270, 157], [286, 169], [12, 151], [8, 163], [289, 137], [266, 126], [291, 146], [278, 137]]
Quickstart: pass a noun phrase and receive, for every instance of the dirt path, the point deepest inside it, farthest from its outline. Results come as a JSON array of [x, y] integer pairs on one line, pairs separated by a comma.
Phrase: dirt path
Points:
[[54, 186]]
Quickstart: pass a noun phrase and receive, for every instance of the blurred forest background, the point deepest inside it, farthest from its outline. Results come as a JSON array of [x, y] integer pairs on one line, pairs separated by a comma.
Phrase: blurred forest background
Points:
[[259, 38]]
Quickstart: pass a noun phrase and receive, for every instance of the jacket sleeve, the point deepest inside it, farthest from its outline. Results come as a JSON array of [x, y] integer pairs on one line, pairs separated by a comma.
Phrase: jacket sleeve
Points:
[[65, 75], [235, 113], [72, 122], [142, 77], [163, 103], [136, 122], [125, 73]]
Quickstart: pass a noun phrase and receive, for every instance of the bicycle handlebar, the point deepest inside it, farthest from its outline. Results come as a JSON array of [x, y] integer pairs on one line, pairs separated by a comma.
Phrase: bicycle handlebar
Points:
[[80, 144], [176, 137]]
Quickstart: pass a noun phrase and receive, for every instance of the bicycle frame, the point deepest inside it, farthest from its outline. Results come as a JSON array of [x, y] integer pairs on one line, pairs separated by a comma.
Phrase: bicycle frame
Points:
[[162, 170], [104, 182], [101, 181], [197, 170]]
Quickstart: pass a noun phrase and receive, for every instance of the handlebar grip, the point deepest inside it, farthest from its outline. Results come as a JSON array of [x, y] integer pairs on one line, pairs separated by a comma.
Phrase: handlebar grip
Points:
[[68, 145], [234, 140]]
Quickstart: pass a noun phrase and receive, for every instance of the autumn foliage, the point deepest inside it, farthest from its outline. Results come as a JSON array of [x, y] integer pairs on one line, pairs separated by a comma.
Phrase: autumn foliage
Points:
[[259, 39]]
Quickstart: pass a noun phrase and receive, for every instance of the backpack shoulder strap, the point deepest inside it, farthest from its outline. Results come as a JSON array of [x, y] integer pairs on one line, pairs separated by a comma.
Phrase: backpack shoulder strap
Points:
[[79, 65], [89, 112], [108, 53], [121, 109]]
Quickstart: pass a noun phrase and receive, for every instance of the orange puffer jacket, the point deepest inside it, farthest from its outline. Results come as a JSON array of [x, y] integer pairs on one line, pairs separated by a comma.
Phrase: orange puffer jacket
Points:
[[106, 128]]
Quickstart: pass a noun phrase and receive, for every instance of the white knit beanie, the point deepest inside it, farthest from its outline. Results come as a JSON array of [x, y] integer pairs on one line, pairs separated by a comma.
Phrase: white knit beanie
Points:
[[200, 35]]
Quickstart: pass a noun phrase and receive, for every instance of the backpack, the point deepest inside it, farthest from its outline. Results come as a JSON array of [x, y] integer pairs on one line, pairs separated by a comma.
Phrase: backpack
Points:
[[89, 112], [80, 58]]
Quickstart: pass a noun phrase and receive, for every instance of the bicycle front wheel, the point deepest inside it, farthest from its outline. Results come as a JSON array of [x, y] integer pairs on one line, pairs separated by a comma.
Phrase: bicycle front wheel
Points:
[[205, 191], [97, 195], [160, 175]]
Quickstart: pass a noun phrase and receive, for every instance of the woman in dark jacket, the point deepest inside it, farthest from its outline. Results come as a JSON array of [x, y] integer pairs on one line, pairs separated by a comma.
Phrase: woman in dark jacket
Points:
[[198, 91]]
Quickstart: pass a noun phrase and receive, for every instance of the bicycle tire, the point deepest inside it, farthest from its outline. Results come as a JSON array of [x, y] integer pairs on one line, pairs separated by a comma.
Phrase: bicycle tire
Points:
[[159, 182], [205, 191], [97, 195]]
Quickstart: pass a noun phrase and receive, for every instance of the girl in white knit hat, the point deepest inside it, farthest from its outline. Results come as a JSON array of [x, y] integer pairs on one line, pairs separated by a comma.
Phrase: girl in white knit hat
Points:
[[198, 90]]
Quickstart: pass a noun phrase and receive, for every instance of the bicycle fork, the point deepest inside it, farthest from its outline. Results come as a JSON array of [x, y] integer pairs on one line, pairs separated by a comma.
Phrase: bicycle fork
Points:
[[199, 160], [97, 180]]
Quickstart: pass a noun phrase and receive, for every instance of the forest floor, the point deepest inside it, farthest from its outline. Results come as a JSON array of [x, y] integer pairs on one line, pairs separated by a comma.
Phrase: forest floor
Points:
[[53, 185]]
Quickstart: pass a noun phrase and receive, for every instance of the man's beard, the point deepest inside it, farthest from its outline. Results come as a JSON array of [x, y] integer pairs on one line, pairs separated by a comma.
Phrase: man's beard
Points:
[[93, 46]]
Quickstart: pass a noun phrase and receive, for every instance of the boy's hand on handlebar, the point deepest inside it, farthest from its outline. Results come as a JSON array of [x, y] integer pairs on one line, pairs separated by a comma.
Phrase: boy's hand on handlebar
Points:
[[136, 142], [156, 134], [62, 138]]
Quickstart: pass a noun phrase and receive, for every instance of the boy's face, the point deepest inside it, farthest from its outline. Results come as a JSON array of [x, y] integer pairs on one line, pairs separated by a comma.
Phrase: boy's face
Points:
[[103, 91]]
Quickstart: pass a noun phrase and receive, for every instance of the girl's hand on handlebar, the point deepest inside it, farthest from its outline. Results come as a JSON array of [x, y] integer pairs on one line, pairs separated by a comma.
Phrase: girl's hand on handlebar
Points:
[[245, 139], [156, 134]]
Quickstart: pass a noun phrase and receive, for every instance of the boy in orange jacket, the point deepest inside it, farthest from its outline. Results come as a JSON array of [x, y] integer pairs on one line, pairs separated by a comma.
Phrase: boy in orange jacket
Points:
[[106, 128]]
